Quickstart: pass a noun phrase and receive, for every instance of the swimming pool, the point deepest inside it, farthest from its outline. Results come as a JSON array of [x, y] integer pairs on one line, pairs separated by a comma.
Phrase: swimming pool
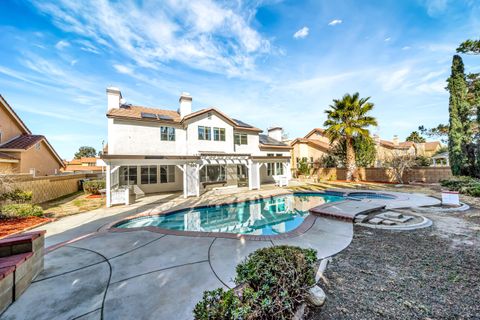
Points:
[[268, 216], [371, 195]]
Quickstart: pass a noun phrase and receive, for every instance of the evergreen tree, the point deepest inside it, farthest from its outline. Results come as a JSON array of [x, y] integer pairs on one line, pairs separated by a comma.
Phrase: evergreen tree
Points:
[[460, 132]]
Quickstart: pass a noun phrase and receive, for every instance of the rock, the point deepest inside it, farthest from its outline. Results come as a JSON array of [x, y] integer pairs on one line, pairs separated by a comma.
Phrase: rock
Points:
[[389, 223], [316, 296], [360, 217], [375, 221], [393, 214]]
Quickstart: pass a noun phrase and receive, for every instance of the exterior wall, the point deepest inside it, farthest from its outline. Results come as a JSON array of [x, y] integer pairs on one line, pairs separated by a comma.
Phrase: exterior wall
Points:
[[8, 126], [252, 146], [318, 136], [47, 188], [143, 138], [423, 174], [194, 146], [42, 160], [6, 167], [161, 187], [303, 150]]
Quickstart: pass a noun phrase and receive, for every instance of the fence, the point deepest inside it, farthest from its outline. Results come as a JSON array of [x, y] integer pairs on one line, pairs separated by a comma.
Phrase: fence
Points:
[[420, 174], [47, 188]]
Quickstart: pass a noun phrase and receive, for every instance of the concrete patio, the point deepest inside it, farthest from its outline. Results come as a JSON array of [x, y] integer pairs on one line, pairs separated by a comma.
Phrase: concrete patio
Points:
[[93, 273]]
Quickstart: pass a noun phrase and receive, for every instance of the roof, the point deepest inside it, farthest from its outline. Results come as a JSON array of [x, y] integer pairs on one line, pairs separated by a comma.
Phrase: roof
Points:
[[23, 142], [269, 142], [315, 130], [135, 113], [70, 167], [5, 156], [432, 146], [14, 115], [391, 145], [312, 142]]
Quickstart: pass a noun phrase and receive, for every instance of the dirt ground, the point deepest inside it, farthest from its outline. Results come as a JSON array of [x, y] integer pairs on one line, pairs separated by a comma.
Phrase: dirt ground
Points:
[[71, 204], [432, 273]]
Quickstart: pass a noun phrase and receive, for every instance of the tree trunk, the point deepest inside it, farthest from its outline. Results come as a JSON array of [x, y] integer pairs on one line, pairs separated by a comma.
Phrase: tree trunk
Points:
[[350, 161]]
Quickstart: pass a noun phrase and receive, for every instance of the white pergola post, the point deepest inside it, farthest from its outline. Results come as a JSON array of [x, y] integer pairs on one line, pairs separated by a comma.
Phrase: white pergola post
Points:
[[183, 168], [108, 186]]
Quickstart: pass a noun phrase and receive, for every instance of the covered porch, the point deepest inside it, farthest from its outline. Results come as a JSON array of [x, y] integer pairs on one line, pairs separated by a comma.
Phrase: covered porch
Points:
[[130, 176]]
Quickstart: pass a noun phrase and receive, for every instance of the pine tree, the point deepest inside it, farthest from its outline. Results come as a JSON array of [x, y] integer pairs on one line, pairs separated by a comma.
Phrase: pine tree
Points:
[[460, 133]]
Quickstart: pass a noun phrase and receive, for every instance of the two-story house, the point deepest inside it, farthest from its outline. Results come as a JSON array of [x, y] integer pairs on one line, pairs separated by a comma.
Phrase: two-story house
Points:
[[158, 150], [20, 150]]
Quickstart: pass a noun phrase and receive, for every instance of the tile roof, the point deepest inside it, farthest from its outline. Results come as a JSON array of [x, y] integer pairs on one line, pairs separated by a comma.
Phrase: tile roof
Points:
[[70, 167], [135, 112], [267, 141], [313, 142], [401, 145], [6, 156], [314, 130], [25, 141], [432, 146]]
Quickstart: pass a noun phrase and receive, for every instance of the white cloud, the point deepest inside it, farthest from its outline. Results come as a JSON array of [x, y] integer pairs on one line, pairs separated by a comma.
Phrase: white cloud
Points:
[[435, 7], [406, 48], [123, 69], [302, 33], [62, 44], [387, 39], [395, 80], [206, 35], [335, 22]]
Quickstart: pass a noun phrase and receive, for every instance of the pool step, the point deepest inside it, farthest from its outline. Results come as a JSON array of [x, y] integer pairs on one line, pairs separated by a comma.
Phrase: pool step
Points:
[[346, 210]]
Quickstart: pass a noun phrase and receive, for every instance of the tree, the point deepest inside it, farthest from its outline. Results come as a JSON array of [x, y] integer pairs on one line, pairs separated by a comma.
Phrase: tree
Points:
[[348, 118], [399, 163], [415, 137], [460, 129], [365, 151], [85, 152], [469, 47], [440, 131]]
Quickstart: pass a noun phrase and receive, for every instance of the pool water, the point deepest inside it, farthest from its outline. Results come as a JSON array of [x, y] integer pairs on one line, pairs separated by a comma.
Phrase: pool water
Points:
[[259, 217], [370, 195]]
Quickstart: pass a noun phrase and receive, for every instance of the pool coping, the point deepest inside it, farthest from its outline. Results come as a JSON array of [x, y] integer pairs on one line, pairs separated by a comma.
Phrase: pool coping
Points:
[[306, 224]]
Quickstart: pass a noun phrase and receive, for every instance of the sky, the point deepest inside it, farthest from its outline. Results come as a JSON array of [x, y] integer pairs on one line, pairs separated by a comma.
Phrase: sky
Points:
[[268, 63]]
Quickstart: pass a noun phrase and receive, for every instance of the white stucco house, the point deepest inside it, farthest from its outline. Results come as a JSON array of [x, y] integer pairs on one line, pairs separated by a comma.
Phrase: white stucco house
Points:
[[152, 150]]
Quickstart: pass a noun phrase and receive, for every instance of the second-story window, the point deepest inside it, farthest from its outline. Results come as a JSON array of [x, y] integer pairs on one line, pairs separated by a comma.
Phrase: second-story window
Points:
[[167, 134], [241, 138], [219, 134], [204, 133]]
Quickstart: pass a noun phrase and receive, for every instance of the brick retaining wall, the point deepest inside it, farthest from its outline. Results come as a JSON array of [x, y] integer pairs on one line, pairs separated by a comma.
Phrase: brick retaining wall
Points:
[[421, 174]]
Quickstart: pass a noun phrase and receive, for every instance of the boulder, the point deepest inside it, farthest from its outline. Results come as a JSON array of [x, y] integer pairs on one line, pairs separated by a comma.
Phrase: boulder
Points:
[[316, 296]]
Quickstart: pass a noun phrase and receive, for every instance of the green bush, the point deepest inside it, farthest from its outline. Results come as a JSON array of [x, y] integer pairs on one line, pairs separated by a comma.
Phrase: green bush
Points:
[[17, 196], [275, 283], [93, 186], [21, 210], [463, 184], [422, 161]]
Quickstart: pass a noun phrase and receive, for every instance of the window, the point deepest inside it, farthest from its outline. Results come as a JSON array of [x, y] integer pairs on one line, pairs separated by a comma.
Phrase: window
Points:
[[270, 166], [311, 160], [219, 134], [148, 174], [204, 133], [167, 174], [37, 145], [167, 134], [241, 138], [212, 173], [128, 175]]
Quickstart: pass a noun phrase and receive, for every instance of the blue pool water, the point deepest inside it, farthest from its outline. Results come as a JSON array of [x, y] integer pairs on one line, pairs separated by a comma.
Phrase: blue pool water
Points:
[[370, 195], [260, 217]]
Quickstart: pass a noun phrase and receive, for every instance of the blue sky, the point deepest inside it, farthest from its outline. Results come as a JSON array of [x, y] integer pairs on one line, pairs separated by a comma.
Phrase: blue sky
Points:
[[265, 62]]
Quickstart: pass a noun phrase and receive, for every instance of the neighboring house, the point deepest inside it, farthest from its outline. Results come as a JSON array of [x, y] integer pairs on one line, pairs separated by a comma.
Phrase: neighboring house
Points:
[[20, 150], [158, 150], [310, 148], [316, 145], [83, 165]]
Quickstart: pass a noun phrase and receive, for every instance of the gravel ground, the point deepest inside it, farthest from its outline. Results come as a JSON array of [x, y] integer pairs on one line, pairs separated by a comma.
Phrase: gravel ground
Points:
[[432, 273]]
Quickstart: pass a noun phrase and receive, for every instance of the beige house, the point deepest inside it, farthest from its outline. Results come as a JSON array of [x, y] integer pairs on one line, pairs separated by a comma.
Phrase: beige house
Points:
[[83, 165], [315, 145], [20, 150]]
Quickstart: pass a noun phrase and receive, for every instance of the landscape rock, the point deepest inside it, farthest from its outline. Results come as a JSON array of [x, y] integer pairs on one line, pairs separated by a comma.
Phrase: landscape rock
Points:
[[316, 296]]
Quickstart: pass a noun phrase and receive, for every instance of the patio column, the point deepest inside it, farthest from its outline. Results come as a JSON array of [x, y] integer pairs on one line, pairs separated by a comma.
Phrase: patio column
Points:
[[108, 186], [254, 176]]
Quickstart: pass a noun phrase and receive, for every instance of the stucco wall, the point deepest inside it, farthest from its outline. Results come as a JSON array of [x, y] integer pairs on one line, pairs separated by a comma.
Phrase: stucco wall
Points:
[[8, 126], [42, 160], [303, 150]]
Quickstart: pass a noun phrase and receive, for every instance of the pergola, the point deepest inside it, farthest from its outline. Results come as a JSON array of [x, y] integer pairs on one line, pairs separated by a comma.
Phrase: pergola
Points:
[[190, 166], [442, 158]]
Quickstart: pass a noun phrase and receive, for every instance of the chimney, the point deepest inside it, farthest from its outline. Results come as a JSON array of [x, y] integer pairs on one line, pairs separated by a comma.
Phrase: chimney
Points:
[[395, 140], [185, 104], [275, 133], [376, 138], [113, 98]]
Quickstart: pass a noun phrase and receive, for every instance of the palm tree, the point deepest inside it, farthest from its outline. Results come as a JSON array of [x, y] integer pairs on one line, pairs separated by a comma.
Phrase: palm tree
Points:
[[348, 118]]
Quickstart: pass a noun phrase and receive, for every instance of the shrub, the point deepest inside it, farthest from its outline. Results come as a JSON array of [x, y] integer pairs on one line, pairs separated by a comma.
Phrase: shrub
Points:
[[422, 161], [93, 186], [17, 196], [275, 283], [21, 210], [463, 184]]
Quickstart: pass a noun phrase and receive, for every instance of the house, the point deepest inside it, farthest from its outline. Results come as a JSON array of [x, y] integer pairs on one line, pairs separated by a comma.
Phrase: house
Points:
[[20, 150], [316, 145], [310, 148], [154, 150], [83, 165]]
